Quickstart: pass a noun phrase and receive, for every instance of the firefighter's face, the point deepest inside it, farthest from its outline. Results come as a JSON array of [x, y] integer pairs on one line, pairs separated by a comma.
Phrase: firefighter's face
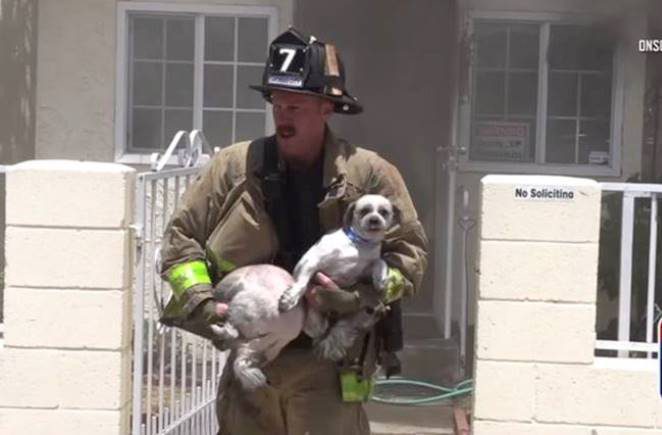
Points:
[[300, 119]]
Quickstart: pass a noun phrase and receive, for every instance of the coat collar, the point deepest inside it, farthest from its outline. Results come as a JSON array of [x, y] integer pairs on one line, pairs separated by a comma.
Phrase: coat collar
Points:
[[335, 159]]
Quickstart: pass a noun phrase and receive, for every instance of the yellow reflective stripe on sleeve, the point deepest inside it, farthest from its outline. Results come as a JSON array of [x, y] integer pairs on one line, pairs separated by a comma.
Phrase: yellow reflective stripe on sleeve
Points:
[[395, 285], [186, 275]]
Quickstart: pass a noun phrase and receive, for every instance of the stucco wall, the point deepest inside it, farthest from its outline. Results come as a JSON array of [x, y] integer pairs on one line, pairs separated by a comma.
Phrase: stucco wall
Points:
[[76, 75], [18, 51], [535, 372]]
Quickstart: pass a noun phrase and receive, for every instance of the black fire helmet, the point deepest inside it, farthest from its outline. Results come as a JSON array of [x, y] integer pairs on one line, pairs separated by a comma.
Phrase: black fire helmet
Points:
[[307, 66]]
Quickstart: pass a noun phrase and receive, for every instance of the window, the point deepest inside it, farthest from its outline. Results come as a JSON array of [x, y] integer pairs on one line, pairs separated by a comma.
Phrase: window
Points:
[[190, 68], [541, 94]]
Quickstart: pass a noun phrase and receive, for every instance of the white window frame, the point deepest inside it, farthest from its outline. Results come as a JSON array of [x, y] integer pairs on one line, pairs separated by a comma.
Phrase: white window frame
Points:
[[124, 8], [539, 167]]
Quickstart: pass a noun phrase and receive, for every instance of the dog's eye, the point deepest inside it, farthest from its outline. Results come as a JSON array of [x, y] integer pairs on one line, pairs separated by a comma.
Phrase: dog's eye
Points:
[[363, 212], [383, 212]]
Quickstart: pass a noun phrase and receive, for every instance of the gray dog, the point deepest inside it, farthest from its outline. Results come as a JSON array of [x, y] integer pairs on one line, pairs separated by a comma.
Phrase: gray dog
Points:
[[265, 302]]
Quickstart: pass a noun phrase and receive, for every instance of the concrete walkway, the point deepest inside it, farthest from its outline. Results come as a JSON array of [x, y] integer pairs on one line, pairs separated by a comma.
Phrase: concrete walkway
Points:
[[411, 420]]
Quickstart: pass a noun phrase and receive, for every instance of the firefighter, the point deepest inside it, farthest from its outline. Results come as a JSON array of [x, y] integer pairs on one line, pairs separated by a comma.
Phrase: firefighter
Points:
[[269, 200]]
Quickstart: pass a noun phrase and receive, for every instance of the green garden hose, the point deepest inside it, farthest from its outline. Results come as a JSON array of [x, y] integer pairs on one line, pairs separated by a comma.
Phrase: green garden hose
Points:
[[464, 387]]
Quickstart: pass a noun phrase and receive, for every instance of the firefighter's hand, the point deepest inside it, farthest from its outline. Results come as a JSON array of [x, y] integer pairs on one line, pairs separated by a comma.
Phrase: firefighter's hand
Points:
[[328, 298], [212, 312]]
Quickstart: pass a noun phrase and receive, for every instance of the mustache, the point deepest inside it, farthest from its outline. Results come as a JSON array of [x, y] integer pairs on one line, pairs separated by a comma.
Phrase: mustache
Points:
[[285, 131]]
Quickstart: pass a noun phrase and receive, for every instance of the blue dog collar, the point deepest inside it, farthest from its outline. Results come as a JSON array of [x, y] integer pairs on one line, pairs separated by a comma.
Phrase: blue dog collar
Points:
[[355, 237]]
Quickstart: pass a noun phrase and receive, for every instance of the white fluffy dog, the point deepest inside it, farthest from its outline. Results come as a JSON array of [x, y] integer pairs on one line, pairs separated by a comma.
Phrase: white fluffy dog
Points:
[[265, 310], [346, 256]]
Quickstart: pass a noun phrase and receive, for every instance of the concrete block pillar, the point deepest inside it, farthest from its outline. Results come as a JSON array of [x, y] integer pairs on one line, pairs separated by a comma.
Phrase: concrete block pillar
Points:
[[536, 291], [66, 362]]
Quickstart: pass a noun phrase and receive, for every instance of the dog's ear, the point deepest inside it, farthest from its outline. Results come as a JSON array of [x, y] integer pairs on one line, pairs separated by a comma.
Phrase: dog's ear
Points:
[[349, 215]]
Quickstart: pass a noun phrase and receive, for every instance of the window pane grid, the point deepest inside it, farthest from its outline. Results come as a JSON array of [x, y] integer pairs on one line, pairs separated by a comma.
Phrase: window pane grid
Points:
[[172, 46], [515, 83]]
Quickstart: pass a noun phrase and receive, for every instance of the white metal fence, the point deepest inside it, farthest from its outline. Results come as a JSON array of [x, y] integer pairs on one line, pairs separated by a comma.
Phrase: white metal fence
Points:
[[175, 374], [634, 273]]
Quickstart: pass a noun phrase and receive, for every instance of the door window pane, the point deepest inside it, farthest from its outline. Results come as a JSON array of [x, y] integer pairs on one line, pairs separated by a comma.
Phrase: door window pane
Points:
[[593, 141], [249, 126], [146, 129], [580, 48], [562, 94], [524, 45], [561, 141], [219, 38], [490, 43], [147, 79], [218, 127], [253, 37], [596, 95], [218, 86], [248, 98], [179, 85], [523, 93], [490, 90], [176, 120], [147, 38], [180, 39]]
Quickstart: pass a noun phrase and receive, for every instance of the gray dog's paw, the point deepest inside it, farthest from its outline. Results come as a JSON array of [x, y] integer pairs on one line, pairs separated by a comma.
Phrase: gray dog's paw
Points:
[[224, 335], [225, 332], [289, 299], [251, 378]]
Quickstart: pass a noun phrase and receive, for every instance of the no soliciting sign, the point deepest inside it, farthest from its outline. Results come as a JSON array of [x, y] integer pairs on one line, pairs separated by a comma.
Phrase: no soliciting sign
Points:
[[544, 193]]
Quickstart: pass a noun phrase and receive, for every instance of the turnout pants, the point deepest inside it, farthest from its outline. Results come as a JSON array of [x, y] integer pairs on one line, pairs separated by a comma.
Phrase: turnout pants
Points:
[[303, 398]]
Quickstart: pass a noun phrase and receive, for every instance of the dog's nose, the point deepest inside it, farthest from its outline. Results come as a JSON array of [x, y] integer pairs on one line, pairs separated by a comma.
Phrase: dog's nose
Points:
[[373, 220]]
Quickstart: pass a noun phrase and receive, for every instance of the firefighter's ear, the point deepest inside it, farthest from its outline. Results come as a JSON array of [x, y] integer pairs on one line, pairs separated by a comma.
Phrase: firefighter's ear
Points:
[[349, 215]]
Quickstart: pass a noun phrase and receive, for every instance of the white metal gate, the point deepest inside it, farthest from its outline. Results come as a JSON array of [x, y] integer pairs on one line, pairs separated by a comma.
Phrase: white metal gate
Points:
[[175, 374]]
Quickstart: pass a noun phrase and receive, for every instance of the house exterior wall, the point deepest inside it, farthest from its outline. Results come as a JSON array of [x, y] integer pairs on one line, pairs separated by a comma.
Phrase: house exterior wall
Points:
[[76, 77], [18, 51], [535, 372]]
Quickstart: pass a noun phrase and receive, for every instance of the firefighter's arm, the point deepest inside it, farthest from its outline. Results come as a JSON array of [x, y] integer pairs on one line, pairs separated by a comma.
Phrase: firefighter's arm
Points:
[[183, 262], [405, 247]]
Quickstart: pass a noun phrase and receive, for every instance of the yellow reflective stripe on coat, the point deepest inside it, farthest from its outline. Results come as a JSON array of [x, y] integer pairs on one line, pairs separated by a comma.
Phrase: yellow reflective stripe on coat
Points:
[[395, 285], [186, 275]]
